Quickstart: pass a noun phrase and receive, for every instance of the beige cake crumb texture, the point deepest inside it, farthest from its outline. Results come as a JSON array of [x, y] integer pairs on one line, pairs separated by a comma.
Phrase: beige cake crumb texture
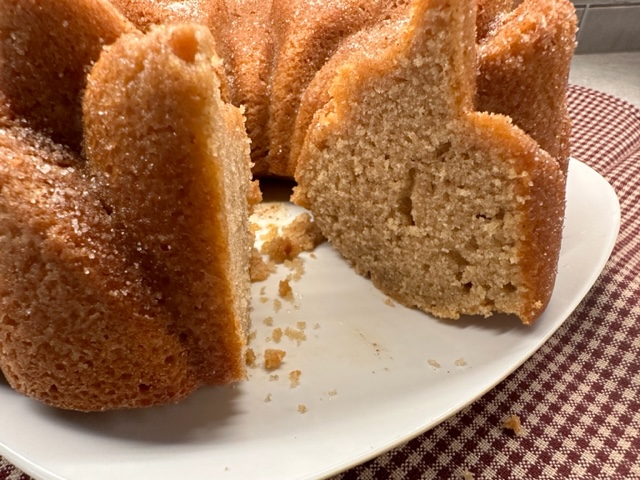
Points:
[[297, 268], [284, 290], [302, 408], [272, 232], [260, 270], [276, 334], [513, 423], [273, 358], [301, 325], [302, 234], [294, 378], [250, 357], [390, 302], [268, 321], [333, 393], [434, 363], [267, 398], [295, 334], [461, 362], [277, 305], [274, 377]]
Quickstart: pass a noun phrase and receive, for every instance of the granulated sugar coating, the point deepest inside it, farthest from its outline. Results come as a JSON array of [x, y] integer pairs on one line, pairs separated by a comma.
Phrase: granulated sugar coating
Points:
[[106, 303]]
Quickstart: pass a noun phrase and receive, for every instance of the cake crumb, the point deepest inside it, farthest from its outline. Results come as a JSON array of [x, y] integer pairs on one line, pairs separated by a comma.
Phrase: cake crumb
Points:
[[276, 334], [277, 305], [271, 233], [250, 357], [295, 334], [316, 326], [461, 362], [513, 423], [259, 270], [302, 408], [294, 378], [268, 321], [273, 358], [264, 299], [433, 363], [297, 268], [302, 234], [267, 398], [274, 377], [284, 290], [252, 335], [301, 325], [390, 302], [333, 393]]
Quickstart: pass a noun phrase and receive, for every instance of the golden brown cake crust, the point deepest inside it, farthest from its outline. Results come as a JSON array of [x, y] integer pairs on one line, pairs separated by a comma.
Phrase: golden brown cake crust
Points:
[[277, 54], [40, 78], [124, 275], [523, 71], [70, 334]]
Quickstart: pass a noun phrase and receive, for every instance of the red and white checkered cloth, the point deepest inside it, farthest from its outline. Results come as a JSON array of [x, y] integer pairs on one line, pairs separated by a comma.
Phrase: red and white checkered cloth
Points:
[[579, 395]]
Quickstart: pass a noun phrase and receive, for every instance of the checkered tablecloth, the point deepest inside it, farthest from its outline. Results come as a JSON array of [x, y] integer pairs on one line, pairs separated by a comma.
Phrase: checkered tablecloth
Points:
[[579, 396]]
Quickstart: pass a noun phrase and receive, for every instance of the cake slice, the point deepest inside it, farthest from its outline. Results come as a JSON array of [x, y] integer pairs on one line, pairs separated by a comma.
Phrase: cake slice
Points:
[[447, 209], [124, 275]]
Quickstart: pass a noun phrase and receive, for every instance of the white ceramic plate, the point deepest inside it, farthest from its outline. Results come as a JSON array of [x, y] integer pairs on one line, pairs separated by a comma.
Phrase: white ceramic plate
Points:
[[373, 375]]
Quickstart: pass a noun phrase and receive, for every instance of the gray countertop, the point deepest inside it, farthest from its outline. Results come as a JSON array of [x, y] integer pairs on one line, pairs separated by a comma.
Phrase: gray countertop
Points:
[[617, 74]]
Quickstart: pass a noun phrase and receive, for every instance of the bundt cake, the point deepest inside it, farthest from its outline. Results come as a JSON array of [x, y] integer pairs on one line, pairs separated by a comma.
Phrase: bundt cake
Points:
[[124, 270], [447, 209], [273, 51], [128, 130]]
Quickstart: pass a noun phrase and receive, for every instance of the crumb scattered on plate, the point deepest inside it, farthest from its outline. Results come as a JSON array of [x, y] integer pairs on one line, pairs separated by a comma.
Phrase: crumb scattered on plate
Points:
[[259, 269], [461, 362], [284, 290], [276, 334], [294, 378], [513, 423], [250, 357], [273, 358], [302, 234], [295, 334], [433, 363], [302, 408], [277, 305]]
